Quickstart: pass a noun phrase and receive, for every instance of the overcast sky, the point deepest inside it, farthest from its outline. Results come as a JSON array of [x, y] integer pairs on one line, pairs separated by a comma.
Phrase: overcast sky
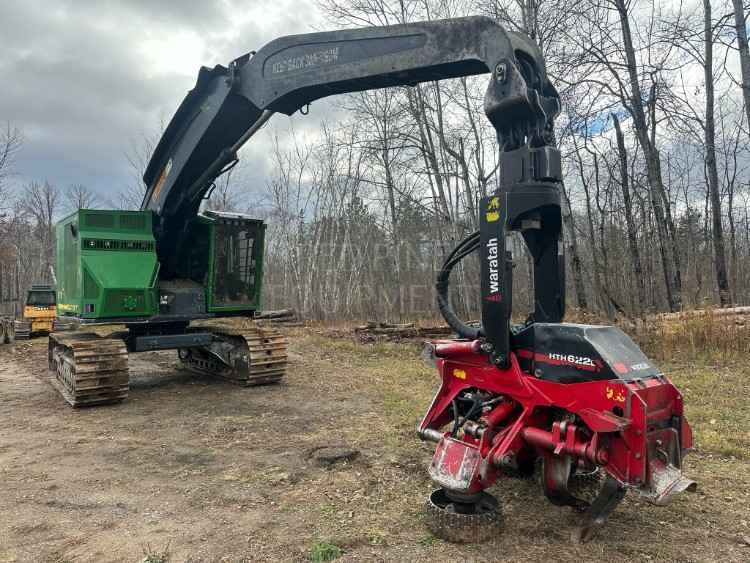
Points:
[[84, 79]]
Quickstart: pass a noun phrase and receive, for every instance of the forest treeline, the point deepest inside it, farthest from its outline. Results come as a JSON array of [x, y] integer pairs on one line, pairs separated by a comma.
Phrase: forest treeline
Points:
[[654, 136]]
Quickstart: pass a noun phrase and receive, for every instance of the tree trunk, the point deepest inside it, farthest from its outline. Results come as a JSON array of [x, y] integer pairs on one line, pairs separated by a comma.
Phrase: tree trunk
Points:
[[717, 230], [575, 257], [651, 154], [635, 255], [732, 242], [599, 298], [742, 47]]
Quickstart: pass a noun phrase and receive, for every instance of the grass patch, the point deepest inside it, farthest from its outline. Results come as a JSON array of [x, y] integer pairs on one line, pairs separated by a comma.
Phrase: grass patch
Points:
[[155, 556], [323, 551], [716, 399], [704, 337], [428, 540], [375, 538], [404, 383], [328, 509], [379, 349]]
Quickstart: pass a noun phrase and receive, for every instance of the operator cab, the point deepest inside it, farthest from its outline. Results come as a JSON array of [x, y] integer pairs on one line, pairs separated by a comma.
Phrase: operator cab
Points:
[[577, 353], [235, 259], [41, 297], [220, 269]]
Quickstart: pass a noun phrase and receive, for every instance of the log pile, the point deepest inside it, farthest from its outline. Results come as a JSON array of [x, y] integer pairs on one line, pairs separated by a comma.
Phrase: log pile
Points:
[[729, 319], [739, 316], [729, 314], [403, 331], [281, 317]]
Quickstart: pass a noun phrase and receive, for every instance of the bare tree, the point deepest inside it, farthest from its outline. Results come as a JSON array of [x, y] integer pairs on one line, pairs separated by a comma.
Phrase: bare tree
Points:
[[696, 37], [574, 252], [41, 202], [138, 154], [78, 196], [635, 255], [740, 26], [231, 191], [720, 262], [611, 70], [11, 140], [646, 138]]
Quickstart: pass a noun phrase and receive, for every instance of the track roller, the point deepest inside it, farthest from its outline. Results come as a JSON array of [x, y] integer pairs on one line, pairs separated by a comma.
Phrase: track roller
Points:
[[245, 356], [88, 369], [461, 518]]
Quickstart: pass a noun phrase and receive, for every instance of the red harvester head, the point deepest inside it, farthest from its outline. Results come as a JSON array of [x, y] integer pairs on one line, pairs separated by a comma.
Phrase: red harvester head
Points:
[[580, 399]]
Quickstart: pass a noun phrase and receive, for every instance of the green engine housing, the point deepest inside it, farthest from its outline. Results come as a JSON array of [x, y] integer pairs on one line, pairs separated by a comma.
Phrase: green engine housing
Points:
[[108, 268]]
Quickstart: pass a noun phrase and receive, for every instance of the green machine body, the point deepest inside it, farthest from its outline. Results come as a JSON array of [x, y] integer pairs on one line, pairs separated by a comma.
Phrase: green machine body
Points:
[[108, 269]]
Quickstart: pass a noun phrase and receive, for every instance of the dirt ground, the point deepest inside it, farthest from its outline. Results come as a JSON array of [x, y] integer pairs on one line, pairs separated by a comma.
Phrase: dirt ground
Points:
[[206, 471]]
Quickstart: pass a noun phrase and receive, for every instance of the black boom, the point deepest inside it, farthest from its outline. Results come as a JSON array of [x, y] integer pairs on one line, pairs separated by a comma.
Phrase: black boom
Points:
[[229, 104]]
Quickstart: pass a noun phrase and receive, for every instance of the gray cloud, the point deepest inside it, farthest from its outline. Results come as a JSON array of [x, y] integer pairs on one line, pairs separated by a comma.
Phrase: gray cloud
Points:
[[83, 79]]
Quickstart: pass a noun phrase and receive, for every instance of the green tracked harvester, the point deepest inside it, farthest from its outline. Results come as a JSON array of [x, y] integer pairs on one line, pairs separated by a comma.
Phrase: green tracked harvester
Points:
[[110, 274]]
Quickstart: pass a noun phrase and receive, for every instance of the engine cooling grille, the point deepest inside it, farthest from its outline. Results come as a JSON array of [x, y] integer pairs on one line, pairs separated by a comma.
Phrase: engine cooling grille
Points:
[[116, 244]]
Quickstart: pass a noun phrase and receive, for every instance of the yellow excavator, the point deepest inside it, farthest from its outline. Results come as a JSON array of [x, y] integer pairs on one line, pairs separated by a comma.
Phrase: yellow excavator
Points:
[[39, 312]]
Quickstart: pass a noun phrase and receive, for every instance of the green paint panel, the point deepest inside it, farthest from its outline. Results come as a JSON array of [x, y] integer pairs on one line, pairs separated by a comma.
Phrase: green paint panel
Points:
[[106, 264]]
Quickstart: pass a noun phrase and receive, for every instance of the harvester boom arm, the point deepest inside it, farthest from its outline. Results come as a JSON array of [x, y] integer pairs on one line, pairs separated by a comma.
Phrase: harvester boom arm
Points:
[[229, 104]]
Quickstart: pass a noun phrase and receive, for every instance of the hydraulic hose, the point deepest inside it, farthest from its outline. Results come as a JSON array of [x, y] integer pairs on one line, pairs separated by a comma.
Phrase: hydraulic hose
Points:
[[463, 249]]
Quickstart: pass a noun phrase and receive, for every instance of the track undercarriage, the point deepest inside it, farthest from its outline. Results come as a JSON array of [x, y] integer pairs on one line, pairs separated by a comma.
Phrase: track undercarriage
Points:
[[89, 369], [247, 356]]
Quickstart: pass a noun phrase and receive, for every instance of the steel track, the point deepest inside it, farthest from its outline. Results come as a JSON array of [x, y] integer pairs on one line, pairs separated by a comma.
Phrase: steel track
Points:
[[88, 369]]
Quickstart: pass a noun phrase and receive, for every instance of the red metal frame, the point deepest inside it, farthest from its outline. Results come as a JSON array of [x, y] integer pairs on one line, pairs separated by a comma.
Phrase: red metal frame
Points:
[[634, 430]]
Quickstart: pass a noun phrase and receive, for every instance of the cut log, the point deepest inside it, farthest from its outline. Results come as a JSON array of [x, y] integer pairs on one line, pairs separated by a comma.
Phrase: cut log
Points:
[[380, 326], [281, 323], [278, 314], [402, 331]]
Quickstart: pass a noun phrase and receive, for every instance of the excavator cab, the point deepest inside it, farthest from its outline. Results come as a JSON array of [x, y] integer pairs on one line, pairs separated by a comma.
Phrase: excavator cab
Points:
[[41, 297]]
